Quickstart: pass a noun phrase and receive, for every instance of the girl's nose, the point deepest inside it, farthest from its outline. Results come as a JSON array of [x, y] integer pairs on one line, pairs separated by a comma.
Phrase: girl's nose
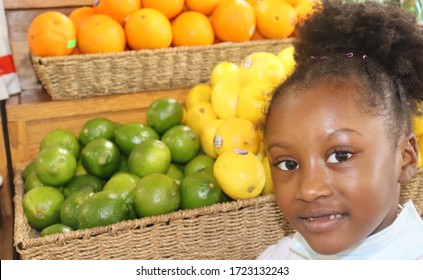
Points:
[[314, 183]]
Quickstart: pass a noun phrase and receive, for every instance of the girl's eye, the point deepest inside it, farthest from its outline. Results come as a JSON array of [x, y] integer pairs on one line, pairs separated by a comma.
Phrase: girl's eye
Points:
[[338, 157], [288, 165]]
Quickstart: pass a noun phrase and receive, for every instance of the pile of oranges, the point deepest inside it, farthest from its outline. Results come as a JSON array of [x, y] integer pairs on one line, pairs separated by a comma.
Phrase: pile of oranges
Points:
[[119, 25]]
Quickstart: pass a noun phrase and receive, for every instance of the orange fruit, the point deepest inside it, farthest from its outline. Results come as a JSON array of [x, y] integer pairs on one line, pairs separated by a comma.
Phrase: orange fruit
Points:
[[79, 14], [101, 34], [117, 9], [304, 8], [253, 3], [275, 18], [192, 29], [205, 7], [148, 29], [51, 34], [233, 21], [257, 36], [170, 8], [291, 2]]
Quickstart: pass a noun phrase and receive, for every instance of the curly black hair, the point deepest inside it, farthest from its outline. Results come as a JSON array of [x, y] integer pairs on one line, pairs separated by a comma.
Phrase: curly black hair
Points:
[[376, 48]]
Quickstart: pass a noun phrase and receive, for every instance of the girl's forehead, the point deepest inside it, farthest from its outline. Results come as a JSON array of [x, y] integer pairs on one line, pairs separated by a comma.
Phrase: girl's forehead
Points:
[[325, 93]]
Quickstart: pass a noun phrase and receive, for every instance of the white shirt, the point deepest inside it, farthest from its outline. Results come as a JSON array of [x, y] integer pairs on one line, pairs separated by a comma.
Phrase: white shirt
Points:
[[403, 239]]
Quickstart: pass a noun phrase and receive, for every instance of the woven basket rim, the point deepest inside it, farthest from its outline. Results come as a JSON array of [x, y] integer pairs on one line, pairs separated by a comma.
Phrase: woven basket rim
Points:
[[155, 52]]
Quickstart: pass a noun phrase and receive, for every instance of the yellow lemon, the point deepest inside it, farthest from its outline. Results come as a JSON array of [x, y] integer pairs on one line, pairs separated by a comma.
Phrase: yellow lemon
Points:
[[240, 174], [207, 137], [236, 133], [261, 66], [268, 186], [262, 148], [198, 115], [286, 56], [224, 98], [418, 125], [253, 101], [224, 70], [197, 94], [420, 155]]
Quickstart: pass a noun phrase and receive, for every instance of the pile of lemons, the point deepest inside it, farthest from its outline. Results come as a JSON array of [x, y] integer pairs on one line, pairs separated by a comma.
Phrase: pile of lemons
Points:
[[418, 131], [228, 115]]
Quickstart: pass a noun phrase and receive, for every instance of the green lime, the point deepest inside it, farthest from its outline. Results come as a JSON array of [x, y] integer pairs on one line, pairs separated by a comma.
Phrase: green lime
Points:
[[69, 209], [123, 184], [101, 158], [83, 182], [29, 168], [97, 128], [199, 162], [175, 173], [123, 164], [183, 143], [55, 166], [131, 134], [61, 138], [41, 206], [32, 181], [164, 113], [55, 229], [80, 170], [199, 189], [156, 194], [100, 209], [151, 156]]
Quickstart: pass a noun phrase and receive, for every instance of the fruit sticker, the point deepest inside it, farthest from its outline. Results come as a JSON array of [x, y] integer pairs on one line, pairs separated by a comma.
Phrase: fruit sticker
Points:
[[240, 151], [71, 44], [248, 62], [218, 141]]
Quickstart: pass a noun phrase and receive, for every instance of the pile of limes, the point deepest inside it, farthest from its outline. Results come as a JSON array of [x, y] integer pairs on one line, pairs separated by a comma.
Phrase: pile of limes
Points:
[[228, 115], [112, 172]]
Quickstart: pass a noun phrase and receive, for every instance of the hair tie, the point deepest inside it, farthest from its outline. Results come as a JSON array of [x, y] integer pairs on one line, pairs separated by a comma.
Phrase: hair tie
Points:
[[321, 57]]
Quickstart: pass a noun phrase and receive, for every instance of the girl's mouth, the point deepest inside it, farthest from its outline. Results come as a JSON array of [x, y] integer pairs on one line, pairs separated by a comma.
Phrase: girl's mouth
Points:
[[322, 223]]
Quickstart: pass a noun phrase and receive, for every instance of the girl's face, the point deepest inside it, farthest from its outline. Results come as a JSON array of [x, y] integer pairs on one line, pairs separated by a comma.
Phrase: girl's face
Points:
[[335, 170]]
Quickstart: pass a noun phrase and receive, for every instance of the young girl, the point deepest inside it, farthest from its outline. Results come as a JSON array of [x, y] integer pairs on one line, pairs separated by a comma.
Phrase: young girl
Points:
[[339, 138]]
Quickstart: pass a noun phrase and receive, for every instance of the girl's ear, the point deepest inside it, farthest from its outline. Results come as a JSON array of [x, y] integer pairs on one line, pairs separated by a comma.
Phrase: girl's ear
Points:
[[409, 155]]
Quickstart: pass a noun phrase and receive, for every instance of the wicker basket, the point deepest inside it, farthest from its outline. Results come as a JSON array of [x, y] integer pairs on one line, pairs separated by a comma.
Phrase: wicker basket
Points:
[[234, 230], [88, 75]]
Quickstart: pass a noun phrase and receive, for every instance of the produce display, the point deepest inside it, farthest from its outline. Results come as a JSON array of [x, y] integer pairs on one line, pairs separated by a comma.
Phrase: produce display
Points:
[[206, 150], [119, 25]]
